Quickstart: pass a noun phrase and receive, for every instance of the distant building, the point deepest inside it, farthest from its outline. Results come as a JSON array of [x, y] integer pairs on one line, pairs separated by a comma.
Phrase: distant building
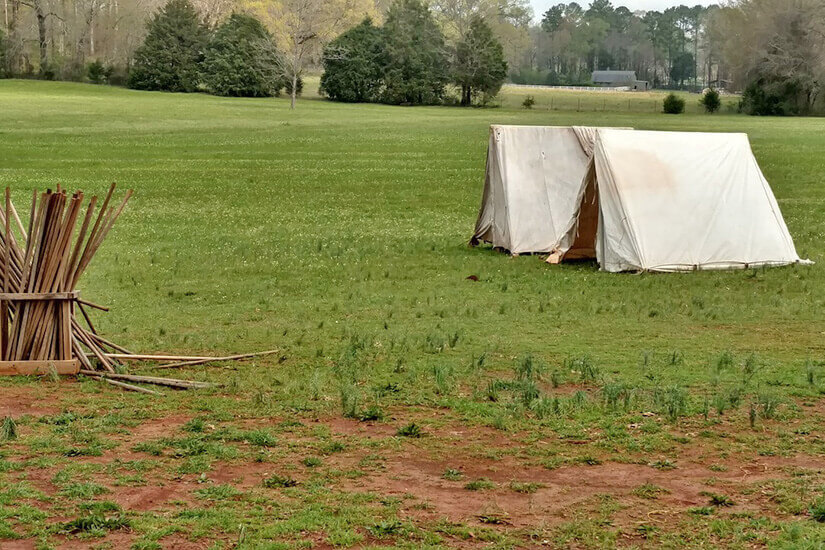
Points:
[[618, 79]]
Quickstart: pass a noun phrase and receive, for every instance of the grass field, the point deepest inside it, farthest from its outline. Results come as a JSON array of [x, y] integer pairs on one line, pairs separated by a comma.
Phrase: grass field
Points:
[[410, 407]]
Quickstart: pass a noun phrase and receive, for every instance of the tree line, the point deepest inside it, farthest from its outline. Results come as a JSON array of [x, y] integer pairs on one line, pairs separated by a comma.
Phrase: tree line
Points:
[[769, 49]]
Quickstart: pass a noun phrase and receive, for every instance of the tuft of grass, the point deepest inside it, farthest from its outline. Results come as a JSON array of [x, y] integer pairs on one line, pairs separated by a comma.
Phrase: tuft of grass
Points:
[[649, 491], [8, 431], [817, 510], [410, 430], [94, 523], [527, 488], [276, 482], [386, 529], [451, 474], [663, 464], [217, 492], [371, 414], [311, 462], [715, 499], [482, 484]]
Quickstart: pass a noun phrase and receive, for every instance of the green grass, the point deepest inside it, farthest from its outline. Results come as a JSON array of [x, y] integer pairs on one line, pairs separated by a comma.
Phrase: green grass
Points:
[[337, 233]]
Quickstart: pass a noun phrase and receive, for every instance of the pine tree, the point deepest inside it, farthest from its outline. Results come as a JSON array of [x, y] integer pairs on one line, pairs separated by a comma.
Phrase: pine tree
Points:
[[479, 65], [416, 68], [353, 65], [169, 59], [241, 60]]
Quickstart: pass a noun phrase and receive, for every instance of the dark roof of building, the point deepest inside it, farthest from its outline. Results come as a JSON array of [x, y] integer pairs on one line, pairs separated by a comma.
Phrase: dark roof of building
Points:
[[613, 76]]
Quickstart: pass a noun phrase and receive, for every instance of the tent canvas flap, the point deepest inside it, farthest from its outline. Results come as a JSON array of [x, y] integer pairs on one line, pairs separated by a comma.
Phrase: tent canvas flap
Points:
[[677, 201]]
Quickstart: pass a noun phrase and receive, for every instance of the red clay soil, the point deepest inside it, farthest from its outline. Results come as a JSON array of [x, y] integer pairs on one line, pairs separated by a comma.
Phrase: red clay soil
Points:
[[413, 471]]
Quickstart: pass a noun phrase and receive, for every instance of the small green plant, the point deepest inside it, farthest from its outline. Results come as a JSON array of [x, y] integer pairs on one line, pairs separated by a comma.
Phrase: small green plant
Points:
[[527, 488], [710, 100], [588, 372], [768, 404], [673, 105], [332, 447], [410, 430], [94, 522], [718, 500], [663, 464], [482, 484], [749, 368], [451, 474], [701, 510], [529, 368], [8, 431], [646, 530], [350, 400], [371, 414], [195, 425], [649, 491], [275, 482], [443, 379], [385, 528], [675, 402], [528, 102], [817, 510], [311, 462], [217, 492]]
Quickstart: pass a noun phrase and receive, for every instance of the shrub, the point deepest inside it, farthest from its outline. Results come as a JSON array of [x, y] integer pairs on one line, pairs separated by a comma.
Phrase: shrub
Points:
[[169, 59], [241, 60], [97, 72], [353, 65], [767, 98], [710, 100], [528, 102], [673, 105]]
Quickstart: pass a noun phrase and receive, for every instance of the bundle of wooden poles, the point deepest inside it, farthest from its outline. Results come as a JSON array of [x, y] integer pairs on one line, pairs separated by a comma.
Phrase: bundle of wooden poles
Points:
[[40, 266]]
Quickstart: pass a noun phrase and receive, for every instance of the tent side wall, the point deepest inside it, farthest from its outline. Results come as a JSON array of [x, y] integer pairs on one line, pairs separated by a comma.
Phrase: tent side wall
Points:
[[676, 201], [492, 225], [533, 174]]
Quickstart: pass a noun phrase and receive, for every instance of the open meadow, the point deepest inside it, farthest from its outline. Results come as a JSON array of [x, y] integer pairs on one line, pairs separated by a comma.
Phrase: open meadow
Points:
[[408, 406]]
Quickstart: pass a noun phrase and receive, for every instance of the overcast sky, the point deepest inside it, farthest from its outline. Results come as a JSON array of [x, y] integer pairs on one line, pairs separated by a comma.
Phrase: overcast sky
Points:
[[540, 6]]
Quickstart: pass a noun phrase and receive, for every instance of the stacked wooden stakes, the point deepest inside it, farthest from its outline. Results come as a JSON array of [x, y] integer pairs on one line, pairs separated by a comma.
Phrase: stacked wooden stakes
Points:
[[39, 297]]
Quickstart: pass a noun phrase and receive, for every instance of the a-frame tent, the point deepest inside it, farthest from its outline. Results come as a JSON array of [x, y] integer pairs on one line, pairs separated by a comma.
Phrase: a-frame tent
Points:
[[675, 201], [531, 185]]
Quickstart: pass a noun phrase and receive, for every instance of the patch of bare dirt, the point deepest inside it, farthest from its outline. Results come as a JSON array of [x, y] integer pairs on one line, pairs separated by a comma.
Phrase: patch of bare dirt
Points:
[[33, 399]]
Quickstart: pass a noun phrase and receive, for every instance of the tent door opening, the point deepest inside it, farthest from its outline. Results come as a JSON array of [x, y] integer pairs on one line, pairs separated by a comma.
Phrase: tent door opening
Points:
[[587, 226]]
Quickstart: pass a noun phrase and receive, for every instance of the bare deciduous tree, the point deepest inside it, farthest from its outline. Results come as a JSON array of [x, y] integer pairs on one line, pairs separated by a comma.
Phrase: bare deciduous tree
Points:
[[302, 27]]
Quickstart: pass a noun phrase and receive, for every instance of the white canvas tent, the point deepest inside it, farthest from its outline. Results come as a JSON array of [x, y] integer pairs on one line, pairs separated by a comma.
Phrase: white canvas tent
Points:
[[675, 201], [531, 187]]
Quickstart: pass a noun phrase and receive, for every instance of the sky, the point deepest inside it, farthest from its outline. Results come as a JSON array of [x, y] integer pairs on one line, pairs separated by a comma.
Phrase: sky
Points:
[[541, 6]]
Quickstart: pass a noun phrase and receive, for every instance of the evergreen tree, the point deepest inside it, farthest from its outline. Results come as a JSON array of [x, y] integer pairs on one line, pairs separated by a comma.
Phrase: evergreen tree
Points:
[[354, 64], [416, 69], [479, 62], [170, 56], [241, 60]]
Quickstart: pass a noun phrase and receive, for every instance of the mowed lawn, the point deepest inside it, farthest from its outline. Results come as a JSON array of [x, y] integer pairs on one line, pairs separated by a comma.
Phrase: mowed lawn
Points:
[[408, 406]]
